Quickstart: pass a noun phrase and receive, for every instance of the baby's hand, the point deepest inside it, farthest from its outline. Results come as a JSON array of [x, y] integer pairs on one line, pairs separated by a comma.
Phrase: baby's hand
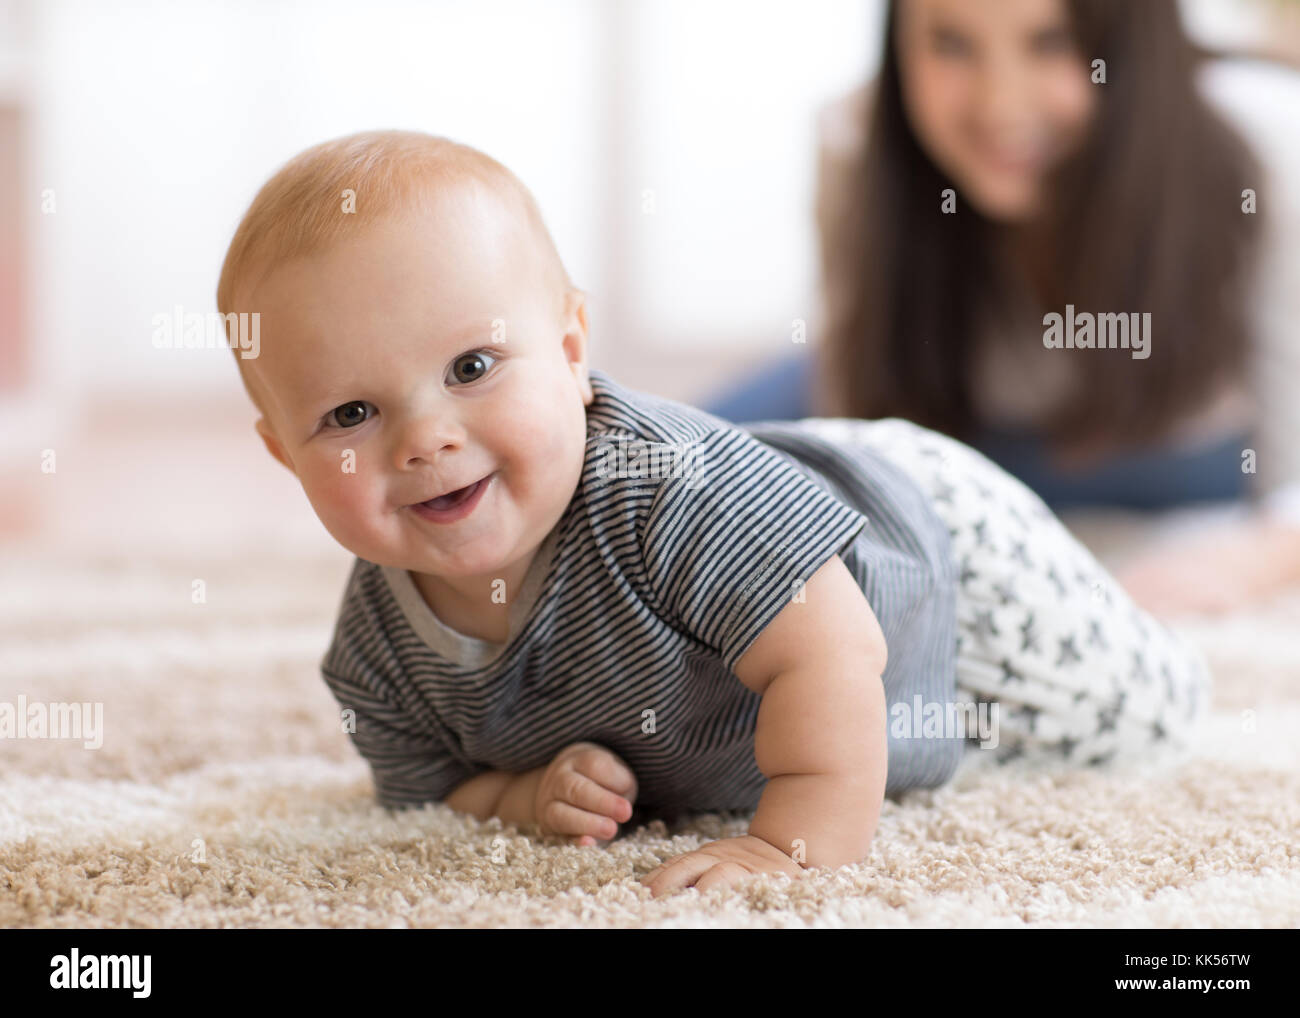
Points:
[[722, 863], [586, 792]]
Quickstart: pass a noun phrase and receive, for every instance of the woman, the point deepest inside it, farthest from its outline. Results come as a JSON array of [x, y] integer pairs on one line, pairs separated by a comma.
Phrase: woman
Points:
[[1027, 160]]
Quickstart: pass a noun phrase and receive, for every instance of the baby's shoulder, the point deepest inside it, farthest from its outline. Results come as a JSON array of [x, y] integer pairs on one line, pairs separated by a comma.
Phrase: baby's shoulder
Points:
[[618, 412], [638, 440], [364, 614]]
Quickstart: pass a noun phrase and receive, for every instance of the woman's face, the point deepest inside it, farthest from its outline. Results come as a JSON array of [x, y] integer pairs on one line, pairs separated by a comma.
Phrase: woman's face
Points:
[[996, 94]]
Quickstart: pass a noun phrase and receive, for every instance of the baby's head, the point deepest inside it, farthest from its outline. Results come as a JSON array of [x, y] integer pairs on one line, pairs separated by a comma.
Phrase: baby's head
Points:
[[418, 334]]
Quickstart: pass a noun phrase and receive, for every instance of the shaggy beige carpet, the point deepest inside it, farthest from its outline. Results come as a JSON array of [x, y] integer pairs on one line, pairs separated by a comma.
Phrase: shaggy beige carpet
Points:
[[224, 793]]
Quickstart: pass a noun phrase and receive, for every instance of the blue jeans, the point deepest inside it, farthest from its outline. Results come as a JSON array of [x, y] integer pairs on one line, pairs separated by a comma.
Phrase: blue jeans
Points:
[[1149, 478]]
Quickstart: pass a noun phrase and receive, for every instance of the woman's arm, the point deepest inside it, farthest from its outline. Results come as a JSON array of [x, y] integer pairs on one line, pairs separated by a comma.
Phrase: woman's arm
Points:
[[778, 391], [1217, 572]]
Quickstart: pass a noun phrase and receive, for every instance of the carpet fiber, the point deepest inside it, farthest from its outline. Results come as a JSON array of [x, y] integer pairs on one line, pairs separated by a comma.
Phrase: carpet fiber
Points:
[[225, 794]]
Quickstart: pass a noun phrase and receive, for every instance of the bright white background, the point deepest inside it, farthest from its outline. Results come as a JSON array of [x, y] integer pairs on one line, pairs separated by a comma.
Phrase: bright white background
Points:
[[155, 123]]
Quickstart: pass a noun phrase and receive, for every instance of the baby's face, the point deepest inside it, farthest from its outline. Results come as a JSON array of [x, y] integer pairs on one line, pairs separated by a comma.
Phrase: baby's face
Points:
[[385, 385]]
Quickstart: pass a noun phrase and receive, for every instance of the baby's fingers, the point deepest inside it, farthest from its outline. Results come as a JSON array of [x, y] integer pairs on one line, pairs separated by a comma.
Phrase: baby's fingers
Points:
[[565, 818], [587, 793], [678, 872], [606, 770]]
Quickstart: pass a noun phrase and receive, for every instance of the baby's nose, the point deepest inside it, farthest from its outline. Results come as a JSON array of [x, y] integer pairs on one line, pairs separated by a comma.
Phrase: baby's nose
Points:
[[428, 439]]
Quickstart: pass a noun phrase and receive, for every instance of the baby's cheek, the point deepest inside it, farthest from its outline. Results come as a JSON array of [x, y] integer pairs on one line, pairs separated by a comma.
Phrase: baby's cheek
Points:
[[555, 446], [341, 495]]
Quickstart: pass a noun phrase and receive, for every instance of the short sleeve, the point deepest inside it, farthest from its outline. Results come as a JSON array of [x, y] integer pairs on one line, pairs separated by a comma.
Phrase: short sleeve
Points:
[[408, 768], [411, 759], [728, 541]]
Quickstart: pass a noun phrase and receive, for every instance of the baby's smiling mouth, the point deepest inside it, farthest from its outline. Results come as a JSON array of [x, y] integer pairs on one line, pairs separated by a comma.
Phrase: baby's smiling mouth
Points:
[[453, 497]]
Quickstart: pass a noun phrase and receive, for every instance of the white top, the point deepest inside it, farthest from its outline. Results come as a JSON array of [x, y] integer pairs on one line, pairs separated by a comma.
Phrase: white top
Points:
[[1262, 101]]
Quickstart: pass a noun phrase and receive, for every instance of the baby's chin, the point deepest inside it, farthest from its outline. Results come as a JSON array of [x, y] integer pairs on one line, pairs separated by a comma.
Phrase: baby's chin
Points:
[[448, 566], [459, 570], [451, 561]]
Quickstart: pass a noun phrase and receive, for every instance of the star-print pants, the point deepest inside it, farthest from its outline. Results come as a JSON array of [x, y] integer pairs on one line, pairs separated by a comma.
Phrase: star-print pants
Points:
[[1078, 669]]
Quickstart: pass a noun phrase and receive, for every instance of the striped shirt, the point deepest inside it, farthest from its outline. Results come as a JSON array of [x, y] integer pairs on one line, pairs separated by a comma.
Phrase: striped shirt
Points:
[[685, 537]]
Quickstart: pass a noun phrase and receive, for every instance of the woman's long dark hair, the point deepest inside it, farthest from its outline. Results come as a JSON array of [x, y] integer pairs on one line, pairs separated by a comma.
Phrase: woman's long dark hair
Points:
[[1145, 217]]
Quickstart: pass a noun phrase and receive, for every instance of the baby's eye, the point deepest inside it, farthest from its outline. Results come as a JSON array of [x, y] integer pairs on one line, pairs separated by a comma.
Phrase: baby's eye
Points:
[[473, 366], [349, 415]]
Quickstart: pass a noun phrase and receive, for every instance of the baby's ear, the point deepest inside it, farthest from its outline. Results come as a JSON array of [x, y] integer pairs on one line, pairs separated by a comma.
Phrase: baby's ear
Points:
[[575, 341], [273, 444]]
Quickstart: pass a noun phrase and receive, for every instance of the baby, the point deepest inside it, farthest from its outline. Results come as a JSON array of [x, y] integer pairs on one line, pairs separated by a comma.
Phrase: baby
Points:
[[573, 602]]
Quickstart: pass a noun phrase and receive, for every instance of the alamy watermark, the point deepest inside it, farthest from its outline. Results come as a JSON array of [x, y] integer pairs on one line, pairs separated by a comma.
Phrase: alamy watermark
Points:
[[1103, 331], [190, 330], [945, 720], [636, 458], [75, 971], [25, 720]]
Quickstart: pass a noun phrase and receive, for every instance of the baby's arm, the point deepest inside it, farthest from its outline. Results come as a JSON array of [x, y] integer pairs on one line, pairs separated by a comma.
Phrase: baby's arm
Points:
[[585, 791], [501, 794], [821, 732]]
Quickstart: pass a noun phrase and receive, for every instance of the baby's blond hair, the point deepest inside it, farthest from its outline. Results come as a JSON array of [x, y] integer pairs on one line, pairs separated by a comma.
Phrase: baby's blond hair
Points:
[[301, 209]]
